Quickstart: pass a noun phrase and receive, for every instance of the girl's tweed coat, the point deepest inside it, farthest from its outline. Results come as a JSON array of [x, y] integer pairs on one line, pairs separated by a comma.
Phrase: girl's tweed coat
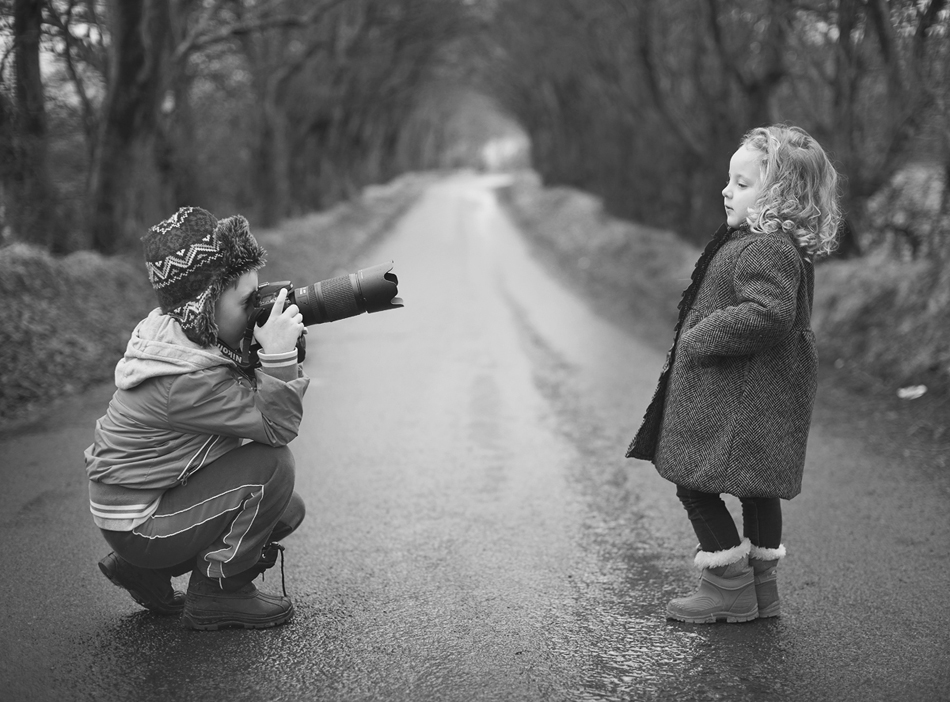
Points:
[[733, 405]]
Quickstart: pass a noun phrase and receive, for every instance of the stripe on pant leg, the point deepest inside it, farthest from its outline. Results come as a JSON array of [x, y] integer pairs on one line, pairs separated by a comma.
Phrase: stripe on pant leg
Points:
[[161, 526], [234, 539]]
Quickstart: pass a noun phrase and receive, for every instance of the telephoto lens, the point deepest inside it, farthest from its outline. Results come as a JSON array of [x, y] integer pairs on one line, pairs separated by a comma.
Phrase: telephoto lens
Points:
[[372, 289]]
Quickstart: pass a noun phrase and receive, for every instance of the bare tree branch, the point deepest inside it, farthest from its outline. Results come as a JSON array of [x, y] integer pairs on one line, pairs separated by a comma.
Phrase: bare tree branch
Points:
[[196, 40], [725, 56], [651, 72]]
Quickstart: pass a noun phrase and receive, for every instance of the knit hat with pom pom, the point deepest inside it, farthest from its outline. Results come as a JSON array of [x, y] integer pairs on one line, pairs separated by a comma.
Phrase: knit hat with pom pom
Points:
[[191, 258]]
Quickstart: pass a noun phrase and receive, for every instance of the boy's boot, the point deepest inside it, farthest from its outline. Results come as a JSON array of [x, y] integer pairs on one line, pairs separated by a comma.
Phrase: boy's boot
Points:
[[726, 589], [764, 562], [267, 560], [150, 588], [218, 603]]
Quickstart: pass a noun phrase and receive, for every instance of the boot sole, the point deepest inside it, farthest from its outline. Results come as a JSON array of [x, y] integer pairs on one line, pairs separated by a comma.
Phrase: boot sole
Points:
[[189, 621], [108, 570], [727, 617]]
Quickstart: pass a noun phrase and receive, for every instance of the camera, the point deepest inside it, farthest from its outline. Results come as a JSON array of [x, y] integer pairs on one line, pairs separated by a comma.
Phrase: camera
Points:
[[372, 289]]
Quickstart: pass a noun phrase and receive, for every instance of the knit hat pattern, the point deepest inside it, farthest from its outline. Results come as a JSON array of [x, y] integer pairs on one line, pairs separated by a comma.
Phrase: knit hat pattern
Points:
[[191, 257]]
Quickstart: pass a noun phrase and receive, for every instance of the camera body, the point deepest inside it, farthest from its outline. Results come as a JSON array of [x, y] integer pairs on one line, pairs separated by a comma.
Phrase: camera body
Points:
[[372, 289]]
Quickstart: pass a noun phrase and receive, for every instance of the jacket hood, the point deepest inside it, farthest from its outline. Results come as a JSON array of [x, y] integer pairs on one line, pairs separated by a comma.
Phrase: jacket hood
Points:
[[158, 347]]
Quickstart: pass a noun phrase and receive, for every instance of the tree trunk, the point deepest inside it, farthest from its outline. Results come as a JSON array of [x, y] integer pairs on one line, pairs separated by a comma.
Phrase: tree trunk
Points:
[[179, 166], [271, 164], [844, 120], [129, 193], [31, 200]]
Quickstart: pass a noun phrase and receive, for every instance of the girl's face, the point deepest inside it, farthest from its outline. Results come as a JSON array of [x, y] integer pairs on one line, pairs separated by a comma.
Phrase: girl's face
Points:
[[744, 186], [233, 307]]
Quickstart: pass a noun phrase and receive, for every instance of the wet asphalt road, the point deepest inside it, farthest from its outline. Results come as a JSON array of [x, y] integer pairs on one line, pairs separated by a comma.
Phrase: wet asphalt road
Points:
[[473, 530]]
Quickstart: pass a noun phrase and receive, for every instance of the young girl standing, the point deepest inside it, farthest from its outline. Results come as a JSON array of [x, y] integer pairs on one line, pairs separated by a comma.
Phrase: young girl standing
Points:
[[733, 405]]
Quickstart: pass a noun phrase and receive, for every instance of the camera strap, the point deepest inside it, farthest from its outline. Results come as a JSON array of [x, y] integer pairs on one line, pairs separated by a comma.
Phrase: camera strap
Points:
[[245, 357]]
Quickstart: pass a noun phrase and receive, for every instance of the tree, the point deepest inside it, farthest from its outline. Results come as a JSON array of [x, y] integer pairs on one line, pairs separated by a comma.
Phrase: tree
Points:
[[883, 94], [642, 101], [127, 191], [30, 198], [271, 106]]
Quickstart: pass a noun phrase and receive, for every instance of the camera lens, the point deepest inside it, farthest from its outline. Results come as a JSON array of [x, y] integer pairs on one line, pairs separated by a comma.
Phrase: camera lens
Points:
[[368, 290]]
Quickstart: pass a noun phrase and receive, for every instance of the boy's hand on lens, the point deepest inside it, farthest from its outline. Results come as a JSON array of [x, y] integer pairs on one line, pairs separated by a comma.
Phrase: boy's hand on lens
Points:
[[280, 332]]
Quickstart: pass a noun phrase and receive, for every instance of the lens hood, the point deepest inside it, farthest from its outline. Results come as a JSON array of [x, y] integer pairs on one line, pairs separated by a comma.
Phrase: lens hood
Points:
[[378, 287]]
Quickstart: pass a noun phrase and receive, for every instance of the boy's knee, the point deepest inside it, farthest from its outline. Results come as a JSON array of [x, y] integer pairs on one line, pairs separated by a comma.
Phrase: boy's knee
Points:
[[284, 466], [279, 458], [291, 518], [272, 465], [284, 459]]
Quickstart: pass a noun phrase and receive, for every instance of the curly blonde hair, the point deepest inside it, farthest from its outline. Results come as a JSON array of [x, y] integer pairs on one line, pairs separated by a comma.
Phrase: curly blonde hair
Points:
[[799, 189]]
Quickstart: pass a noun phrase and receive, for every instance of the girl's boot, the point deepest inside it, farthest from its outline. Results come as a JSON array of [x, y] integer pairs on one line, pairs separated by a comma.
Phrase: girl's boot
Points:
[[764, 562], [726, 589]]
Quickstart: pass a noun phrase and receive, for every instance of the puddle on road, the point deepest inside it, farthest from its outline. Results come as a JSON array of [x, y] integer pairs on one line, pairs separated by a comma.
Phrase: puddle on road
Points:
[[633, 652], [620, 640]]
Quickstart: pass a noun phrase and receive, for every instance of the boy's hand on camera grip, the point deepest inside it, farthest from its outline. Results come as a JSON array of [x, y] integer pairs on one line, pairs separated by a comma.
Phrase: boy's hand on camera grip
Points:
[[280, 332]]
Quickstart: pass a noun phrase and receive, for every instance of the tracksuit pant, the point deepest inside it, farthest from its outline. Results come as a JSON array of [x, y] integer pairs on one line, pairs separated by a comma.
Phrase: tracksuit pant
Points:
[[220, 518]]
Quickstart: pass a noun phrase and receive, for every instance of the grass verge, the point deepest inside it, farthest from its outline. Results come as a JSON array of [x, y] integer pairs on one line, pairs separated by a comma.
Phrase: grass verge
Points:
[[881, 325]]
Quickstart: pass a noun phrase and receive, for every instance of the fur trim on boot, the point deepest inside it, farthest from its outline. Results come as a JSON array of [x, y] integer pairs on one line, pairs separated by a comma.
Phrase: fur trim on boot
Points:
[[717, 559], [764, 562], [726, 589], [767, 554]]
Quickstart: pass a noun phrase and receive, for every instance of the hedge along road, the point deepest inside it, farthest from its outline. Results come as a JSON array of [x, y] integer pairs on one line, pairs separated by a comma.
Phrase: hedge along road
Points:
[[474, 532]]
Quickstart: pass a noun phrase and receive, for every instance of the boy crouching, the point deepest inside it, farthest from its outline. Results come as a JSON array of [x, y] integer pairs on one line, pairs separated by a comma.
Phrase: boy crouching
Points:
[[189, 469]]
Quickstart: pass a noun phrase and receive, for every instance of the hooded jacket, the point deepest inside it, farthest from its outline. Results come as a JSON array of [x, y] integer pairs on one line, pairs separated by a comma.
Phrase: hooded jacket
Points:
[[178, 407]]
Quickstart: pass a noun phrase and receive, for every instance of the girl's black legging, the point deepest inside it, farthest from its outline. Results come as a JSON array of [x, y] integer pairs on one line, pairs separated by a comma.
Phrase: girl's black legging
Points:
[[715, 528]]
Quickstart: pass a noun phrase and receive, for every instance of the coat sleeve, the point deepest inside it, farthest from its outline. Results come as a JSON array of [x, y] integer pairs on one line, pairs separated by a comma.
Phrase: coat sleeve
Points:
[[765, 281], [216, 402]]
